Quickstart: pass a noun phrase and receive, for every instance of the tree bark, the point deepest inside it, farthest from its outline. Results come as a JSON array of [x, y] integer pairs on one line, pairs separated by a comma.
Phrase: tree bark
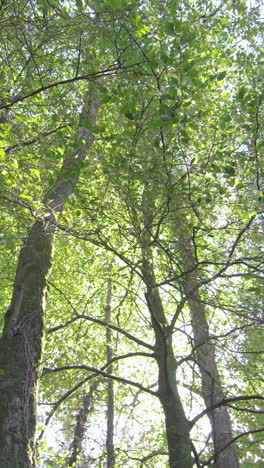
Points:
[[22, 342], [81, 419], [205, 355], [177, 425]]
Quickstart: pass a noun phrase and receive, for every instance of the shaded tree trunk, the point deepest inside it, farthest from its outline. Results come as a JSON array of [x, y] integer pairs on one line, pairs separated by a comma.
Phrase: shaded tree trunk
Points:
[[177, 425], [22, 341], [80, 426], [212, 390]]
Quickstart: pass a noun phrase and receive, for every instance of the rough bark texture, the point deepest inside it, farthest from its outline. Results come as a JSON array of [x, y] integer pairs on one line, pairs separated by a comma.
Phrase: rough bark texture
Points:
[[177, 426], [21, 349], [211, 382], [21, 345]]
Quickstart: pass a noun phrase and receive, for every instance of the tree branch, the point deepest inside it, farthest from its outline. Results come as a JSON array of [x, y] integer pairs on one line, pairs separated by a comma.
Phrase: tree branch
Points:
[[118, 329], [111, 70], [255, 431], [223, 403], [104, 374]]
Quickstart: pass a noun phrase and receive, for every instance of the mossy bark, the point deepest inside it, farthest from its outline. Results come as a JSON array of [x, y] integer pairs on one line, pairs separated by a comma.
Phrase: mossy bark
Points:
[[22, 342], [21, 351]]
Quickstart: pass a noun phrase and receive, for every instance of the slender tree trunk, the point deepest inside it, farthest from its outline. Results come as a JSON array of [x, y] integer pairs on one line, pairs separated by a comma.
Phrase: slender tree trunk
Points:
[[81, 419], [110, 449], [177, 426], [205, 355], [21, 345]]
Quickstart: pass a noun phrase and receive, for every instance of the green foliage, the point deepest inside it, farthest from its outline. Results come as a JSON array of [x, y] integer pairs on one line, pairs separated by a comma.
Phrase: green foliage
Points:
[[181, 114]]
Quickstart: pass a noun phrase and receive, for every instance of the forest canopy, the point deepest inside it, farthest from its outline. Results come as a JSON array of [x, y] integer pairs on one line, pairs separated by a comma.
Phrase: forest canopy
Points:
[[131, 230]]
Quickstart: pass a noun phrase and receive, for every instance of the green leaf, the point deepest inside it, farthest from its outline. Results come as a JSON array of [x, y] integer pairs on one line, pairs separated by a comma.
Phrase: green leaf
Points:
[[229, 169], [220, 76], [169, 28]]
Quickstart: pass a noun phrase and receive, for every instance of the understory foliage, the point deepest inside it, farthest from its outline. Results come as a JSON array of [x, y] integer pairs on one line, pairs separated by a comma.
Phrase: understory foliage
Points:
[[167, 212]]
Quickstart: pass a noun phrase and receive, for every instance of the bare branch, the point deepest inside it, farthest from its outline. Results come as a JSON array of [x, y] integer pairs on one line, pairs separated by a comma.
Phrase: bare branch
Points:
[[104, 374], [255, 431], [223, 403], [120, 330]]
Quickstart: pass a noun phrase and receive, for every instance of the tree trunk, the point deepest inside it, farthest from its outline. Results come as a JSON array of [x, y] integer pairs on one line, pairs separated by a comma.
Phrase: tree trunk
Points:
[[177, 426], [205, 355], [22, 342], [81, 419]]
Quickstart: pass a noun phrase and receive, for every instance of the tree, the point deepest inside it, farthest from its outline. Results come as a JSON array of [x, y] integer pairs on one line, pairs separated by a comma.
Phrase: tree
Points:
[[165, 179], [21, 345]]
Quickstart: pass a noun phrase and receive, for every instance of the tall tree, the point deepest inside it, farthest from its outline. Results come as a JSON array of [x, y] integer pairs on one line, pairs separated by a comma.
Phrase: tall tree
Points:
[[225, 453], [171, 188], [23, 335], [177, 426]]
